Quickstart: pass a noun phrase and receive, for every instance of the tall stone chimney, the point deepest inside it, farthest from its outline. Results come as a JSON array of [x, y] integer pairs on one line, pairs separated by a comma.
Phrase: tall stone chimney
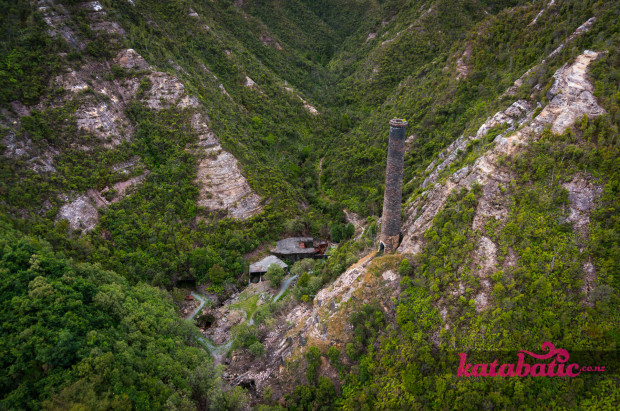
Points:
[[390, 224]]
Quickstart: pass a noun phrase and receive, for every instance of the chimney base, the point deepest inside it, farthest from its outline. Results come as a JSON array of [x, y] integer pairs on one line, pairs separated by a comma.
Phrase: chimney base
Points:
[[388, 244]]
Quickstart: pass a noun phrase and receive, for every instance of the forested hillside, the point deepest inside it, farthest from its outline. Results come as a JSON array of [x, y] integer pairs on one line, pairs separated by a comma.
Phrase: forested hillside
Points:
[[149, 144]]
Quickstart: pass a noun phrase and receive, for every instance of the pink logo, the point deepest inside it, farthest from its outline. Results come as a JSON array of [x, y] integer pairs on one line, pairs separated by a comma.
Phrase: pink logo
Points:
[[556, 368]]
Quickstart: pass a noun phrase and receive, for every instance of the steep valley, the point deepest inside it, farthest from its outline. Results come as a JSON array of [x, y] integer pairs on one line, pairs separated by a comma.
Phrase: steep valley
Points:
[[153, 152]]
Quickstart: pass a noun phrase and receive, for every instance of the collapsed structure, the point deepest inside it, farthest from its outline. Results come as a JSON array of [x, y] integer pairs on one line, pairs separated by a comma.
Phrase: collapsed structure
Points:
[[258, 269], [298, 248]]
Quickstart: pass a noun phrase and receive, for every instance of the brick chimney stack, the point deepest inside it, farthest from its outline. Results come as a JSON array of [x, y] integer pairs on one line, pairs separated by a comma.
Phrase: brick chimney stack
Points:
[[390, 225]]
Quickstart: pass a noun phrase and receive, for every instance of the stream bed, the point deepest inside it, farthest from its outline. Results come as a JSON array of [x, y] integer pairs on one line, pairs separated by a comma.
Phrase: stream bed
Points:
[[219, 352]]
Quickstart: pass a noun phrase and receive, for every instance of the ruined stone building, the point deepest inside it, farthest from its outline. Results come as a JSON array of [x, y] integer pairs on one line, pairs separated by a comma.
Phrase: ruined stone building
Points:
[[259, 268], [298, 248]]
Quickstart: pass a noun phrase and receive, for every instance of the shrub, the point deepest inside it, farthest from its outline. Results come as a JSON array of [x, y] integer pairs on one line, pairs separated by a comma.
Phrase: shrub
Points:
[[313, 356], [405, 268], [334, 356], [257, 349], [275, 274]]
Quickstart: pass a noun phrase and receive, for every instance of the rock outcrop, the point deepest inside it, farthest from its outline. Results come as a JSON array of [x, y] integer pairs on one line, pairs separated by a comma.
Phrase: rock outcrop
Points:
[[570, 99], [584, 28], [101, 95], [323, 323], [582, 194], [80, 214]]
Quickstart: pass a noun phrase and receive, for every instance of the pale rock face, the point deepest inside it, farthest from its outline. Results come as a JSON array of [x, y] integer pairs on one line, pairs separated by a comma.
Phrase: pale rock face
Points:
[[249, 82], [130, 59], [571, 95], [103, 120], [584, 28], [206, 137], [492, 204], [110, 27], [582, 195], [486, 259], [324, 323], [223, 187], [43, 163], [225, 319], [357, 221], [311, 109], [312, 322], [589, 283], [462, 64], [126, 166], [70, 81], [221, 184], [93, 5], [122, 188], [81, 214], [572, 99], [269, 41], [102, 114], [165, 91], [224, 92], [55, 16], [513, 116]]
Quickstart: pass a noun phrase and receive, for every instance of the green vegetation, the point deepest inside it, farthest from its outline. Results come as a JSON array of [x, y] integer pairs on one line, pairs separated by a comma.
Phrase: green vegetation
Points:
[[78, 336], [87, 320], [274, 274], [249, 305], [537, 298], [320, 392]]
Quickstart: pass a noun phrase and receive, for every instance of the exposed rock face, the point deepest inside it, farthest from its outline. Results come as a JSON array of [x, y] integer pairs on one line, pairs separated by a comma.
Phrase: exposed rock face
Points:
[[221, 184], [582, 195], [358, 222], [492, 204], [166, 90], [584, 28], [102, 120], [571, 98], [551, 3], [325, 323], [81, 214], [251, 84], [101, 113], [311, 109], [462, 64], [514, 116], [225, 319], [55, 16], [130, 59], [122, 188], [223, 187], [487, 260], [589, 283]]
